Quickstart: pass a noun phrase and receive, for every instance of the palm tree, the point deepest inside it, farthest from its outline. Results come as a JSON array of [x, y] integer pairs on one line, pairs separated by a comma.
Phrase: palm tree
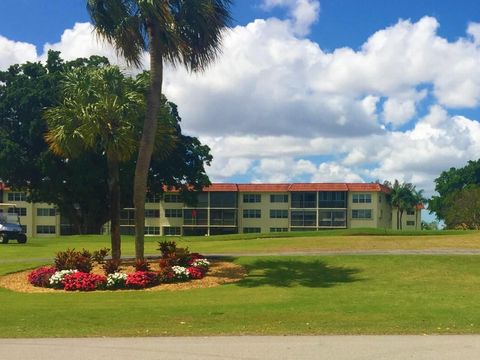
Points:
[[99, 112], [418, 201], [173, 31], [404, 196]]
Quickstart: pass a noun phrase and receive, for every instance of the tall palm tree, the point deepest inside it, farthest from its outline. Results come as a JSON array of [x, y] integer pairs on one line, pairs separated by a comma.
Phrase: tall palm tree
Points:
[[99, 112], [186, 32]]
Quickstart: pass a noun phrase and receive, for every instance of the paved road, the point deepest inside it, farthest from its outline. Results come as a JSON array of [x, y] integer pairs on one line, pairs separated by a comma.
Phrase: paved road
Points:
[[301, 253], [246, 348]]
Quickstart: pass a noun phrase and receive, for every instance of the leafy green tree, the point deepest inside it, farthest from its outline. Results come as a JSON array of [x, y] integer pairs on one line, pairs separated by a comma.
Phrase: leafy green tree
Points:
[[79, 186], [25, 160], [173, 31], [99, 112], [463, 209], [451, 181]]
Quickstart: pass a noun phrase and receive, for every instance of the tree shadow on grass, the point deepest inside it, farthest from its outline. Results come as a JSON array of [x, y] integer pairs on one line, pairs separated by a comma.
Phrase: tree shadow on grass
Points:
[[291, 273]]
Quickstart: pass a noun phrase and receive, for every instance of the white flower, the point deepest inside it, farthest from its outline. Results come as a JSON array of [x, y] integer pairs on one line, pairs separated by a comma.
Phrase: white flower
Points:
[[180, 272], [116, 279], [201, 263], [57, 278]]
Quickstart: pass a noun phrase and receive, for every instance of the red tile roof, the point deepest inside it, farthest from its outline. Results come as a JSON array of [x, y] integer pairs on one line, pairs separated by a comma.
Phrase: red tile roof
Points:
[[368, 187], [295, 187], [263, 187], [318, 187], [221, 187]]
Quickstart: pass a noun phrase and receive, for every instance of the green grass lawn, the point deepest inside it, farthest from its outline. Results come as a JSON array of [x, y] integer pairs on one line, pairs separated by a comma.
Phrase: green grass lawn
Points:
[[352, 239], [281, 295], [413, 294]]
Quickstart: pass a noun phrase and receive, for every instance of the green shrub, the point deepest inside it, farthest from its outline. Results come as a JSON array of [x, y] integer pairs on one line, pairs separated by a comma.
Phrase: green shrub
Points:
[[167, 248], [142, 265], [74, 260], [100, 255], [111, 266]]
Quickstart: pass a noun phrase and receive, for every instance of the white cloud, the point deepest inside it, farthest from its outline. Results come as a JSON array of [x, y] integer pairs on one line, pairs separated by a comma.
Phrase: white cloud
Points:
[[276, 107], [474, 31], [81, 41], [332, 172], [304, 13], [15, 52], [401, 108]]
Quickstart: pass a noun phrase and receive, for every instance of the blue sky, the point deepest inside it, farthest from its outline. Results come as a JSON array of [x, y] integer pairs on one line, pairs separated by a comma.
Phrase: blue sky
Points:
[[310, 90], [341, 22]]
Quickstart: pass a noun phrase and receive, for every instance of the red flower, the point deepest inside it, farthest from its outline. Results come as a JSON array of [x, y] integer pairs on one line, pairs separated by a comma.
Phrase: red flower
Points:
[[41, 276], [83, 281], [196, 272], [141, 279]]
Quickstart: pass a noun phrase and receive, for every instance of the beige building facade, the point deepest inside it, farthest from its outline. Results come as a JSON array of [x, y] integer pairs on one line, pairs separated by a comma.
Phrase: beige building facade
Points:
[[243, 208]]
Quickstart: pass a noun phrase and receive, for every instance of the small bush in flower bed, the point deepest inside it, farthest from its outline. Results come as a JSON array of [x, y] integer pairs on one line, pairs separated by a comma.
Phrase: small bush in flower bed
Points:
[[195, 272], [41, 277], [83, 281], [141, 280], [72, 271]]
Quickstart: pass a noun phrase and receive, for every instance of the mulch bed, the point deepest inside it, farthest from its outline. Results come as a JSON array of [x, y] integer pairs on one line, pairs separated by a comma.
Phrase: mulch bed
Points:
[[220, 272]]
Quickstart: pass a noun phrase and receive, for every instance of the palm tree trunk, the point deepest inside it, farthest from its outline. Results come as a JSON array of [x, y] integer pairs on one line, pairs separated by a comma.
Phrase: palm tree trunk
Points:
[[398, 218], [147, 141], [401, 215], [114, 189]]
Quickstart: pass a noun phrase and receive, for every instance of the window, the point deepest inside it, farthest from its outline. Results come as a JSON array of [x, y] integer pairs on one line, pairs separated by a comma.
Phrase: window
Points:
[[195, 217], [410, 223], [250, 230], [410, 212], [19, 211], [152, 230], [152, 213], [277, 198], [17, 196], [172, 230], [199, 200], [252, 198], [225, 217], [332, 199], [152, 198], [304, 200], [45, 229], [223, 199], [303, 218], [332, 218], [252, 214], [172, 198], [45, 212], [127, 217], [362, 198], [362, 214], [279, 214], [173, 213], [274, 229]]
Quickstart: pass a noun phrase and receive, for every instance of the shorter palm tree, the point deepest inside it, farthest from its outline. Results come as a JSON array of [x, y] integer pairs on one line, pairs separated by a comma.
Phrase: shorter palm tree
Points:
[[404, 196], [101, 110]]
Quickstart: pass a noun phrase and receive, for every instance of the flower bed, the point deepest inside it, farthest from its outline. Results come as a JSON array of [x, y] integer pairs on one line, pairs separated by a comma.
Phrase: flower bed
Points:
[[73, 270]]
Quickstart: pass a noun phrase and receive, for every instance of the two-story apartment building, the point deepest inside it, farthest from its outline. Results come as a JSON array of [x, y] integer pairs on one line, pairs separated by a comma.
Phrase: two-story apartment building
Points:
[[255, 208], [244, 208]]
